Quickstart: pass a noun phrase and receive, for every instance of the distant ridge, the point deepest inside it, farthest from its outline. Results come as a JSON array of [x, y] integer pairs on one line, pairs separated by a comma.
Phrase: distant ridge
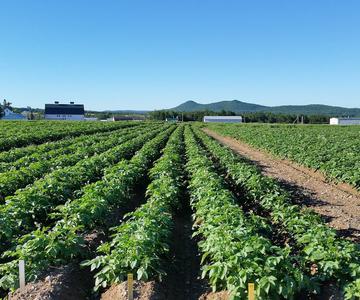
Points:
[[242, 107]]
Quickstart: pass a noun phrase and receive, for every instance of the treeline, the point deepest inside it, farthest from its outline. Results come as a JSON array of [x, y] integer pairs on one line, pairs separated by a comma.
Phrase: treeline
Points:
[[108, 115], [249, 117]]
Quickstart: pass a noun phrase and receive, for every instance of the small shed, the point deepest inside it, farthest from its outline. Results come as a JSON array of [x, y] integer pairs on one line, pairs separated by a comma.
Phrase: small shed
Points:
[[344, 121], [223, 119]]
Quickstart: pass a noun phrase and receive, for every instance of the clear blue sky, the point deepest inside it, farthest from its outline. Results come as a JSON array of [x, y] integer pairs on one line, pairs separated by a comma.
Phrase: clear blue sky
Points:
[[152, 54]]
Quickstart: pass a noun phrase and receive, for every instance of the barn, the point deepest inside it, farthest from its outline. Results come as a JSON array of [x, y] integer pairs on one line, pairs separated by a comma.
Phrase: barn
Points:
[[344, 121], [58, 111], [223, 119]]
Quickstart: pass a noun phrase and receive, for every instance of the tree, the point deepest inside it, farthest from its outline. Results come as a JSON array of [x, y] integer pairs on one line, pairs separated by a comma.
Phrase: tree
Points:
[[6, 104]]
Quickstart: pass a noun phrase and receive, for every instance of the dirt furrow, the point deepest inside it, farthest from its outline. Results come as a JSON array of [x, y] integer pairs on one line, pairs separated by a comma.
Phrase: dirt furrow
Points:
[[339, 204]]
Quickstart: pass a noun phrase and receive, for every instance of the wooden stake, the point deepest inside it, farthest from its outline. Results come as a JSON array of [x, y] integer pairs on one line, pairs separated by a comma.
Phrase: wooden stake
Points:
[[130, 284], [22, 274], [251, 288]]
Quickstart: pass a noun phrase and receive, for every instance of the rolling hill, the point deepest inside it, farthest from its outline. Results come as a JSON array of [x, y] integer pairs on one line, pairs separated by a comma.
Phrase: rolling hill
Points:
[[241, 107]]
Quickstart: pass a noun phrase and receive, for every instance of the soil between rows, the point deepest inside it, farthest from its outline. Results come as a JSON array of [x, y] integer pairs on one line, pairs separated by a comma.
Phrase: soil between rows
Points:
[[182, 281], [183, 272], [338, 204]]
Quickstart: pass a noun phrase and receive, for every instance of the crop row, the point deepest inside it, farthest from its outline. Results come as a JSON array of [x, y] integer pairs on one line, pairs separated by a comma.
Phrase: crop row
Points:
[[15, 179], [19, 157], [234, 250], [139, 244], [330, 257], [9, 128], [40, 153], [30, 207], [333, 150], [50, 131], [65, 241]]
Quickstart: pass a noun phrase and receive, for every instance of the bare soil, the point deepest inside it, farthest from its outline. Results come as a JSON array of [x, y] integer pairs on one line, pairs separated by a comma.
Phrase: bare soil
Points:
[[152, 291], [224, 295], [183, 281], [338, 204], [142, 291], [64, 283], [182, 266]]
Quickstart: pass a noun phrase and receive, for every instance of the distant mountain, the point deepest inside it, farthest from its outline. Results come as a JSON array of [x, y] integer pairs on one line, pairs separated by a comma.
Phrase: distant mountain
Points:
[[241, 107]]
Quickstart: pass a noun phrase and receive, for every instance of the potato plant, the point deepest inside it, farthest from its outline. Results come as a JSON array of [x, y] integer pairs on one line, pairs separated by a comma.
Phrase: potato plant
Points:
[[333, 150], [20, 134], [33, 167], [64, 180], [12, 155], [334, 258], [64, 242], [22, 157], [30, 207], [139, 244], [234, 252]]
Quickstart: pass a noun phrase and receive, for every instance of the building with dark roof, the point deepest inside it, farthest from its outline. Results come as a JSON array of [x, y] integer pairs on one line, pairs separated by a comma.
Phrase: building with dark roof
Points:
[[72, 111]]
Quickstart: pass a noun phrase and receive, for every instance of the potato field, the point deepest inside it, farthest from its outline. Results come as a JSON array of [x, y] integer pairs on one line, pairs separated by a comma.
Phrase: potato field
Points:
[[333, 150], [91, 202]]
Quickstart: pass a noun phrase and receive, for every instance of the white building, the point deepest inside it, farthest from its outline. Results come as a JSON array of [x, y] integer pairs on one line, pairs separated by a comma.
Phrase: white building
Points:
[[72, 112], [10, 115], [223, 119], [344, 121]]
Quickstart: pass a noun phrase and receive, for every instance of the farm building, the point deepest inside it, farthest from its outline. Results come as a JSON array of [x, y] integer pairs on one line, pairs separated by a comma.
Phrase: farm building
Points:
[[57, 111], [344, 121], [10, 115], [223, 119]]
